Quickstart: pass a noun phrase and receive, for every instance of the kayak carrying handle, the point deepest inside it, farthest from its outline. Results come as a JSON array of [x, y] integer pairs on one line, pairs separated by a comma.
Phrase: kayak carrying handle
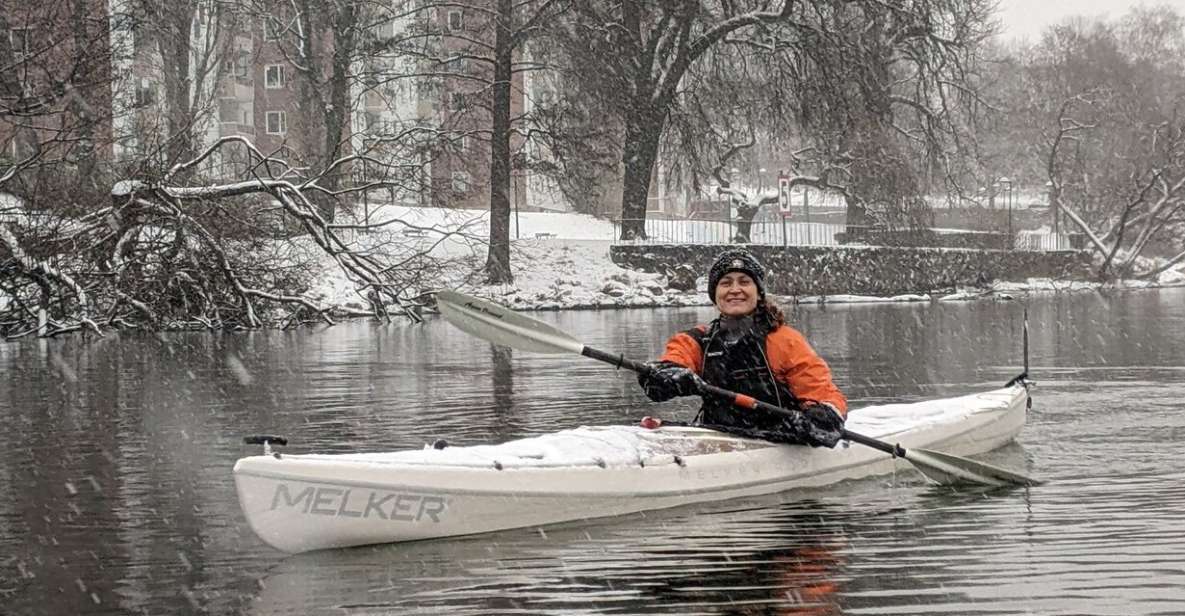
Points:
[[266, 440]]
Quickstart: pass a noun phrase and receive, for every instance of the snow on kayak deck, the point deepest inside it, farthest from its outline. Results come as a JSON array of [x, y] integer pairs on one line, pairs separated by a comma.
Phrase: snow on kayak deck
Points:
[[618, 446]]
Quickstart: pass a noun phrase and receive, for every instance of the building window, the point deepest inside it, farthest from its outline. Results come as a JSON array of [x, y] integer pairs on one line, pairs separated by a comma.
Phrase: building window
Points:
[[456, 101], [461, 181], [228, 112], [372, 120], [273, 76], [277, 123], [18, 38], [237, 66], [271, 29], [456, 21], [122, 22], [145, 93]]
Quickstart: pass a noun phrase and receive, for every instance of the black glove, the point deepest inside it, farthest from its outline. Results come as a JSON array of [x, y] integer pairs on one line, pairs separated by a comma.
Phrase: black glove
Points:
[[823, 426], [665, 380]]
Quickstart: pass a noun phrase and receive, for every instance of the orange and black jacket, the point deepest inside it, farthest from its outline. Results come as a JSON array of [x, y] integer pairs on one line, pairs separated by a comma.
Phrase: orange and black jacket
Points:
[[771, 362]]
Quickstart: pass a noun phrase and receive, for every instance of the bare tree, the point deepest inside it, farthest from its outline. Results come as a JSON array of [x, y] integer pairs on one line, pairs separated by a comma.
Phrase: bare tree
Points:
[[634, 56], [748, 205], [206, 256], [479, 58], [514, 23], [870, 82], [1106, 106], [185, 46], [322, 42], [165, 248], [54, 87]]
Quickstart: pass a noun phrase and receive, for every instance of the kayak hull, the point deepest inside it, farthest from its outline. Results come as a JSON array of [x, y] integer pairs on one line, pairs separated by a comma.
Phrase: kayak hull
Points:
[[298, 503]]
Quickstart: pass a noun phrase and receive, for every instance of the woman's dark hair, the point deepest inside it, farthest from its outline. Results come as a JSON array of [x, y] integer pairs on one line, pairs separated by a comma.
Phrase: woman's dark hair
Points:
[[772, 312]]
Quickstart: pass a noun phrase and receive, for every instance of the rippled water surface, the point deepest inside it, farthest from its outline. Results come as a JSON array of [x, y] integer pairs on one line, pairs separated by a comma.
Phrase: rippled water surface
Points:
[[116, 495]]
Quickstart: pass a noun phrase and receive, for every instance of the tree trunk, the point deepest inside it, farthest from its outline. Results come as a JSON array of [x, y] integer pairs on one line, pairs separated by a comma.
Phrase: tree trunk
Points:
[[498, 258], [82, 112], [857, 218], [642, 134], [174, 31], [337, 113], [745, 216]]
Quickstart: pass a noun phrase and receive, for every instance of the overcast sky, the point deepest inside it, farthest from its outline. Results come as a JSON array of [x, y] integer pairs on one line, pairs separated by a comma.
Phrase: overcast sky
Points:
[[1028, 17]]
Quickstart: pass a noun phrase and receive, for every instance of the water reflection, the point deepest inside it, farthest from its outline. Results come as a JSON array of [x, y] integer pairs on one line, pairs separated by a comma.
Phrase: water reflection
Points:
[[116, 497], [767, 558], [502, 384]]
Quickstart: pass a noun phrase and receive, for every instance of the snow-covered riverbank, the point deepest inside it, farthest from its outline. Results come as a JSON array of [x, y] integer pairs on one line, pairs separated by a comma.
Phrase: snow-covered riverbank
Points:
[[561, 261]]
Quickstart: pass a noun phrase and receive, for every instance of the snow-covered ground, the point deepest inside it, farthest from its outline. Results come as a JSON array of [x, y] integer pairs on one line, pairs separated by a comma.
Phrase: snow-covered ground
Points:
[[562, 261], [558, 260]]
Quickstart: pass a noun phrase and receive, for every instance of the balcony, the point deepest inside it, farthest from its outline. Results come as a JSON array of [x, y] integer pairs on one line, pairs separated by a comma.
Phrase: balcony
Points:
[[237, 88], [226, 129]]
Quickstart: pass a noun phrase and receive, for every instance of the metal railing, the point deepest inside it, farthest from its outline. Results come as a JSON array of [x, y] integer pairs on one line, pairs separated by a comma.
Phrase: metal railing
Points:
[[767, 232], [1044, 241], [779, 233]]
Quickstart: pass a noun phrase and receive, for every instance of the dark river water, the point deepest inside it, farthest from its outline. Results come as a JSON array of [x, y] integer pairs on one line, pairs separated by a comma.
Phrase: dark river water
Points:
[[116, 494]]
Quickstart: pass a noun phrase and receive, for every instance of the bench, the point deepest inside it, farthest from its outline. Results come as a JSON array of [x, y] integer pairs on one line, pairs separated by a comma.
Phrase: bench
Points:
[[542, 236]]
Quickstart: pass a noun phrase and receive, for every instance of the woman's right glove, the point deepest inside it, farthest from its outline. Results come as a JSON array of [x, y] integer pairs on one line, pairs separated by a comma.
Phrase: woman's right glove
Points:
[[665, 380], [824, 425]]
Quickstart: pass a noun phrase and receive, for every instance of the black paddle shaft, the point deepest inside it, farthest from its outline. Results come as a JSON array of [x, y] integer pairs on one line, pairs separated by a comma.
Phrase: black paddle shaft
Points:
[[620, 361], [641, 368], [740, 400]]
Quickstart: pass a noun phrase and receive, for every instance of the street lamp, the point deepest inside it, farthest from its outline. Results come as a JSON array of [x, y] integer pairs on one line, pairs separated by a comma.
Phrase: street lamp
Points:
[[1006, 187]]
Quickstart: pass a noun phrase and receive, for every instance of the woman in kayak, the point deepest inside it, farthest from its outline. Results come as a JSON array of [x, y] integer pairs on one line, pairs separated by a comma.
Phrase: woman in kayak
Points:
[[749, 349]]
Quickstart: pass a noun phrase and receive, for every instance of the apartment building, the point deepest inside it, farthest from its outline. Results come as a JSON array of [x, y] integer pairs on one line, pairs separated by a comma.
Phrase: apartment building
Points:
[[434, 99], [55, 94], [457, 98], [235, 76], [418, 94]]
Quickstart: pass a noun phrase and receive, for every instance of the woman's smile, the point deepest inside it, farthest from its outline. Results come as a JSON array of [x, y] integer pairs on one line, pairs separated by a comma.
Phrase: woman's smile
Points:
[[736, 294]]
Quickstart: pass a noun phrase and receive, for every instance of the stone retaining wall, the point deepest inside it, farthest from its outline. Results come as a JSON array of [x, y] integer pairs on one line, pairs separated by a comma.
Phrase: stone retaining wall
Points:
[[879, 271]]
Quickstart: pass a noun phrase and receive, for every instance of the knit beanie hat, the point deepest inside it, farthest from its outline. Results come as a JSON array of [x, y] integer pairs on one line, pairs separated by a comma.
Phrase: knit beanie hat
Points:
[[735, 260]]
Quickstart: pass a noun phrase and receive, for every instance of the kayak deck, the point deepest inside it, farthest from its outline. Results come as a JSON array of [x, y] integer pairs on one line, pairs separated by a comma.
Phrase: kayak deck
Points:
[[619, 446]]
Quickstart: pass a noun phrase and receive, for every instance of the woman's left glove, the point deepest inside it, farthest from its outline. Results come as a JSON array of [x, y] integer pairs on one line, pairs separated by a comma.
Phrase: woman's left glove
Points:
[[824, 425], [665, 380]]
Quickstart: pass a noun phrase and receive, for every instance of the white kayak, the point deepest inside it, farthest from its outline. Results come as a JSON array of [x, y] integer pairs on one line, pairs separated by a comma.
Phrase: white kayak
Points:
[[298, 503]]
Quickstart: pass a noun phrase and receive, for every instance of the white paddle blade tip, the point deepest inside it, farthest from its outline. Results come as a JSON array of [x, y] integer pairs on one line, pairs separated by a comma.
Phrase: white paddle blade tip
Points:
[[946, 469], [503, 326]]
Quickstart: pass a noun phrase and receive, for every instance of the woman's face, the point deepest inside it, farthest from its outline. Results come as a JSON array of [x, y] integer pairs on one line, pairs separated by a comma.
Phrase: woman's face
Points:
[[736, 295]]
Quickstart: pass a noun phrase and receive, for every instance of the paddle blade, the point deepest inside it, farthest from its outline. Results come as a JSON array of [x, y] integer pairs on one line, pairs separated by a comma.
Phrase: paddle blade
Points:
[[501, 325], [946, 469]]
